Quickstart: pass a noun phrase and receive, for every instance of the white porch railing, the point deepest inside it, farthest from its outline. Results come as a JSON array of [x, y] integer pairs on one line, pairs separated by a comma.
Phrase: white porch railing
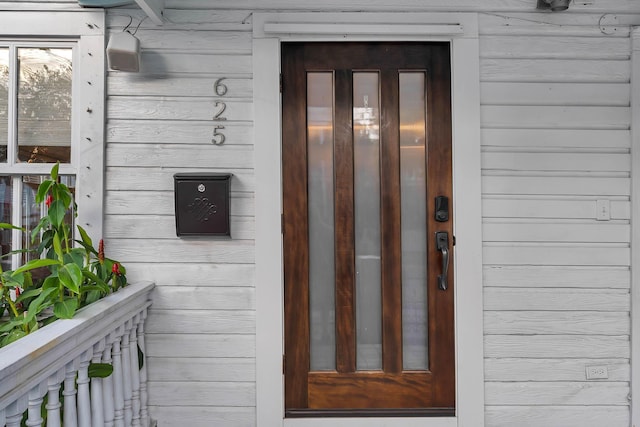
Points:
[[57, 357]]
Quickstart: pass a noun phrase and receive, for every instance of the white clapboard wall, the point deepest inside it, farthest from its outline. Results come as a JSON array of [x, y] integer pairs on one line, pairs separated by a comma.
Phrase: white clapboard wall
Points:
[[201, 330], [555, 152]]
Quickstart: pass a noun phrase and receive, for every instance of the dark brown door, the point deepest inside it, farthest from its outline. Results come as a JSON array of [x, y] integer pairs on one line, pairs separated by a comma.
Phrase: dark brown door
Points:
[[368, 288]]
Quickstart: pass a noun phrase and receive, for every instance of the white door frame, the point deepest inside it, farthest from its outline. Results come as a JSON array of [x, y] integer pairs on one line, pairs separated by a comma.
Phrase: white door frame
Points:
[[460, 29]]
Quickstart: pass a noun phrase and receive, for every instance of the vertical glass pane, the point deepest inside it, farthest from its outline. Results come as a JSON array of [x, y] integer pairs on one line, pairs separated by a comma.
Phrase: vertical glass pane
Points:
[[321, 220], [413, 188], [44, 105], [366, 176], [32, 212], [6, 208], [4, 102]]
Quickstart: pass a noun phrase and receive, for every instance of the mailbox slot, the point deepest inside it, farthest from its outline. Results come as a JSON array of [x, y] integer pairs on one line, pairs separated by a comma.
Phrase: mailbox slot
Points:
[[202, 204]]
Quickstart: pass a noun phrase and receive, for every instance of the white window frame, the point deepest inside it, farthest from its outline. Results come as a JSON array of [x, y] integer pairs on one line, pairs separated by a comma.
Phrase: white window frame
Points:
[[84, 32], [460, 29]]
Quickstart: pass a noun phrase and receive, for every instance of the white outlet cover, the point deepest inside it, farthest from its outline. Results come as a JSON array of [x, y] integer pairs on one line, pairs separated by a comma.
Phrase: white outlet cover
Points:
[[597, 372]]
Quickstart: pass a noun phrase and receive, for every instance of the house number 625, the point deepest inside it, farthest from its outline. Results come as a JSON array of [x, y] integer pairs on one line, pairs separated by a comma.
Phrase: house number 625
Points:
[[220, 89]]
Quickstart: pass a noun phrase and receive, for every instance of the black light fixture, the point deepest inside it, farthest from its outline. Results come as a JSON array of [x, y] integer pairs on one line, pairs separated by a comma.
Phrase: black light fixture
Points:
[[554, 5]]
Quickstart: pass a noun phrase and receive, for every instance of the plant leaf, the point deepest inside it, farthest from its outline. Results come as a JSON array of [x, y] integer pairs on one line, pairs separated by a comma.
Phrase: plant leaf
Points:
[[29, 294], [84, 236], [140, 357], [100, 370], [96, 280], [65, 195], [12, 336], [56, 212], [88, 248], [7, 226], [70, 276], [92, 296], [43, 189], [51, 282], [35, 263], [44, 300], [6, 327], [65, 309], [57, 247], [54, 171]]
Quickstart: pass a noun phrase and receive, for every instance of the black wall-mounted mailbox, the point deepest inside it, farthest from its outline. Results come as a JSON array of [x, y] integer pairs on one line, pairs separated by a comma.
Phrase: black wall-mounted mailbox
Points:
[[202, 204]]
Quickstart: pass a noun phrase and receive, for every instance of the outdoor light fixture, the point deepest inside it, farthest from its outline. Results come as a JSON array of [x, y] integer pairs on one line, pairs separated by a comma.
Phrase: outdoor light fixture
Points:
[[554, 5], [123, 52]]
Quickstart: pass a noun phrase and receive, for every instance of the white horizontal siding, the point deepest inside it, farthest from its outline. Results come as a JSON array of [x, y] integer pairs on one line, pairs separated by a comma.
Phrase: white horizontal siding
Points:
[[201, 329], [529, 369], [205, 415], [557, 416], [535, 277], [555, 140], [552, 346]]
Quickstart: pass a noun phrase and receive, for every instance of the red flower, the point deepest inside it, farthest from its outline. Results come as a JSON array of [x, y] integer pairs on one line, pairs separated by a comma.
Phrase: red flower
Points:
[[49, 200], [116, 269]]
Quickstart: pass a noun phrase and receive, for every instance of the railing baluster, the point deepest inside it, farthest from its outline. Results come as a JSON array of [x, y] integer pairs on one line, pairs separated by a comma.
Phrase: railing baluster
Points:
[[135, 373], [53, 399], [107, 383], [84, 400], [126, 373], [70, 393], [34, 412], [144, 397], [118, 393], [14, 413], [97, 411]]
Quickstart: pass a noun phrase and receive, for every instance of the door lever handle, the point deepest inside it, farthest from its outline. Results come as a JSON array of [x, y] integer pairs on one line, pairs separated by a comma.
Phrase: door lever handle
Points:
[[442, 244]]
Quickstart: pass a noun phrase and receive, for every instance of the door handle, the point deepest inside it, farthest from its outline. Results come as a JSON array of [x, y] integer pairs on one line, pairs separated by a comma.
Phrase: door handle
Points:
[[442, 244]]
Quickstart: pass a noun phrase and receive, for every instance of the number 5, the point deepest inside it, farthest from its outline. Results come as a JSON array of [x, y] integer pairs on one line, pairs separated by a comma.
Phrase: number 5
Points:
[[218, 137]]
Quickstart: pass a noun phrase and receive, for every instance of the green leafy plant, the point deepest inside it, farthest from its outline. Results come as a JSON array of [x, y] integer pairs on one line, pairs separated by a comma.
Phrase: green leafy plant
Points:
[[63, 276]]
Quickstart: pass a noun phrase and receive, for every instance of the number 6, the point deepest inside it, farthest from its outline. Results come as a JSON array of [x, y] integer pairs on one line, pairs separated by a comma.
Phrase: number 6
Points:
[[219, 87]]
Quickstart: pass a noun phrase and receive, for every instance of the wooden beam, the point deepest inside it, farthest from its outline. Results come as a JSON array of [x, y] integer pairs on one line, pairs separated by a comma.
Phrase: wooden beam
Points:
[[153, 8]]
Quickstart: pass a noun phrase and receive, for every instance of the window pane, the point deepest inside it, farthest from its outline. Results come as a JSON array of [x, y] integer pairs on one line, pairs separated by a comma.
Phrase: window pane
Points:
[[413, 189], [6, 205], [4, 102], [44, 105], [366, 152], [321, 222]]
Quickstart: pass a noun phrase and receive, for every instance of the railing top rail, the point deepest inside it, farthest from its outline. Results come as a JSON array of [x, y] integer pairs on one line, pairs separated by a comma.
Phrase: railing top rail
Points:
[[35, 357]]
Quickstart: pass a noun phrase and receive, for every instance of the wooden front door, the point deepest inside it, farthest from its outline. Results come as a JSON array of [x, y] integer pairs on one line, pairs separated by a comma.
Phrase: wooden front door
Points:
[[369, 316]]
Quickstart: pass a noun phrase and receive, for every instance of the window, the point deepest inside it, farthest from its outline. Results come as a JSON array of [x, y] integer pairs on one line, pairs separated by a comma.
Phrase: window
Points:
[[51, 110], [36, 92]]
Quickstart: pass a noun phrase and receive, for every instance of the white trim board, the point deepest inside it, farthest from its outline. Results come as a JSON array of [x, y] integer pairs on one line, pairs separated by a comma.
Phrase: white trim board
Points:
[[635, 227], [467, 212]]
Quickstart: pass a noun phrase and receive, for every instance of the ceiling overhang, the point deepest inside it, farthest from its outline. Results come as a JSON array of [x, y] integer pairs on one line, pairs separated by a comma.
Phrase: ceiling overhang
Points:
[[153, 8]]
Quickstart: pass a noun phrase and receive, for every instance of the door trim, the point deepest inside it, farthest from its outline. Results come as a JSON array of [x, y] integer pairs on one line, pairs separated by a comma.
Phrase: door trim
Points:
[[467, 210]]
